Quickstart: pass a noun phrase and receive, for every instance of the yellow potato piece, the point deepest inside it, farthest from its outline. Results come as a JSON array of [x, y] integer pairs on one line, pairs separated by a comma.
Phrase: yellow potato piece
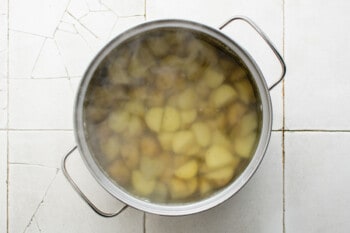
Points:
[[135, 126], [238, 74], [135, 107], [247, 124], [204, 186], [181, 189], [213, 78], [154, 118], [118, 121], [166, 139], [188, 116], [110, 147], [218, 138], [245, 145], [149, 146], [235, 112], [150, 167], [202, 133], [187, 99], [183, 141], [119, 172], [246, 91], [178, 189], [221, 176], [222, 95], [130, 155], [171, 119], [141, 184], [218, 156], [188, 170], [160, 192]]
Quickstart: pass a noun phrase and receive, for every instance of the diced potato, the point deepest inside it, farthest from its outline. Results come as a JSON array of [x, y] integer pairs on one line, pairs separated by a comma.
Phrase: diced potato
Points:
[[192, 185], [141, 184], [154, 118], [244, 145], [166, 139], [221, 176], [96, 114], [136, 69], [171, 119], [178, 189], [204, 186], [248, 123], [187, 99], [158, 46], [182, 141], [213, 78], [218, 156], [110, 147], [135, 107], [188, 170], [119, 172], [117, 74], [193, 70], [222, 95], [238, 74], [118, 121], [235, 112], [149, 146], [135, 126], [181, 189], [151, 167], [165, 77], [202, 133], [193, 150], [160, 192], [188, 116], [130, 154], [246, 91], [155, 98], [221, 139]]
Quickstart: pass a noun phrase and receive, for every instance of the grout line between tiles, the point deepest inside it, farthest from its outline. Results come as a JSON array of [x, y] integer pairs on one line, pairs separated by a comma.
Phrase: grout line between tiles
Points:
[[144, 222], [145, 10], [283, 127]]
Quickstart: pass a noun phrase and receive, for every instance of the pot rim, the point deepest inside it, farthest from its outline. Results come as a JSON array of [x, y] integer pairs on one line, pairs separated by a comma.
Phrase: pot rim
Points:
[[183, 208]]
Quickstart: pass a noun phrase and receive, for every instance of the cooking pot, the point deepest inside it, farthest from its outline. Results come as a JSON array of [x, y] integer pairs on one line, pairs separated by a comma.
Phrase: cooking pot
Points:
[[262, 90]]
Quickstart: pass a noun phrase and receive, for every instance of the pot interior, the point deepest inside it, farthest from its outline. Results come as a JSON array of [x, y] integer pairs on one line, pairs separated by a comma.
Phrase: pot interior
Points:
[[171, 116]]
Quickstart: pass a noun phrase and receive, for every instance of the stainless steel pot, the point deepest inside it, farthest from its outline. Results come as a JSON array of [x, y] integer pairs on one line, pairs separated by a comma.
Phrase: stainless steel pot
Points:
[[219, 197]]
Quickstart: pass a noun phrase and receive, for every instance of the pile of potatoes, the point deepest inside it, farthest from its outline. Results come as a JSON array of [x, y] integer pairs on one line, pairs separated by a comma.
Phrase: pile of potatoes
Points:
[[171, 118]]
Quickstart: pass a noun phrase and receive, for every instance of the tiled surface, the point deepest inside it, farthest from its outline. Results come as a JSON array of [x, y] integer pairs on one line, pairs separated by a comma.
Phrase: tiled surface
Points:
[[301, 184], [317, 178], [318, 84]]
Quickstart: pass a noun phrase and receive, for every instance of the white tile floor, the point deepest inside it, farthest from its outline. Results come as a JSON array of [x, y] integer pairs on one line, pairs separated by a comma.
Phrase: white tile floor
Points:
[[301, 185]]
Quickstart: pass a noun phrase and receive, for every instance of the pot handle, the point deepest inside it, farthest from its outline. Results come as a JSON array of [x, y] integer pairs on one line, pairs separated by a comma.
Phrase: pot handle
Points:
[[81, 194], [266, 39]]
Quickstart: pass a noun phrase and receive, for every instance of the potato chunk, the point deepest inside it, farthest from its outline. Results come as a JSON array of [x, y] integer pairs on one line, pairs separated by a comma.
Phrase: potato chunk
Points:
[[204, 186], [188, 116], [135, 107], [171, 119], [110, 147], [222, 95], [149, 146], [246, 91], [188, 170], [244, 145], [141, 184], [187, 99], [218, 156], [166, 139], [235, 112], [213, 78], [202, 133], [118, 121], [119, 172], [221, 176], [151, 167], [183, 141], [154, 118]]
